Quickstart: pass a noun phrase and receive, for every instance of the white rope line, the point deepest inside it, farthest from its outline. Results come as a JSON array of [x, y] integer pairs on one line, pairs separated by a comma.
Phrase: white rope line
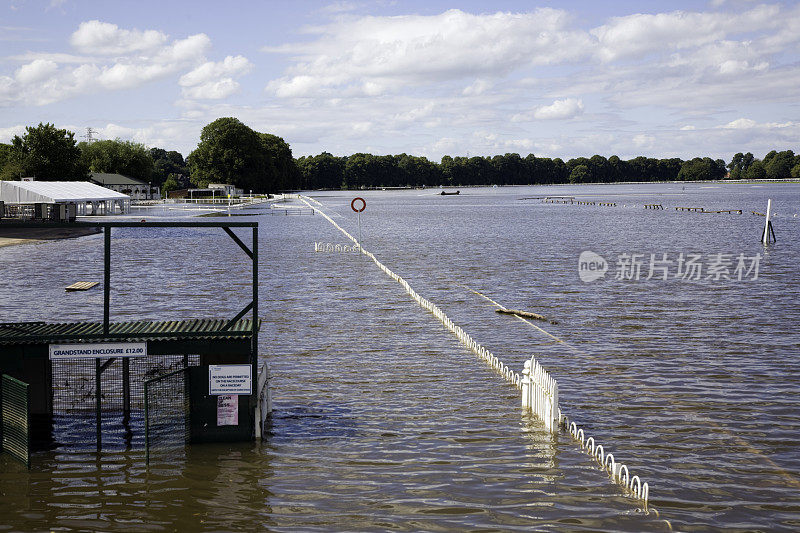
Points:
[[539, 389]]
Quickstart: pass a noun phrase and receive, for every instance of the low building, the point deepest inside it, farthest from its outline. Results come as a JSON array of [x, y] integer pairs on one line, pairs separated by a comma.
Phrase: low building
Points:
[[226, 189], [59, 200], [133, 187]]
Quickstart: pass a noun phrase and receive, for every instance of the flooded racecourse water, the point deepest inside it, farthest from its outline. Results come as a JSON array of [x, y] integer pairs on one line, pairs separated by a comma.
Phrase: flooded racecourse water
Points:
[[383, 421]]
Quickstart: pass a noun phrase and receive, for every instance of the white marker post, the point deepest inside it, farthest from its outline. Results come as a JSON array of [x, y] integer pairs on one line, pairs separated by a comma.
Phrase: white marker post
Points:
[[765, 237]]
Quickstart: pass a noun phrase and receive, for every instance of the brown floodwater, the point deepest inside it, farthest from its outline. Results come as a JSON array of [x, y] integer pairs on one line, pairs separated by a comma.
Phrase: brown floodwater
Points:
[[383, 421]]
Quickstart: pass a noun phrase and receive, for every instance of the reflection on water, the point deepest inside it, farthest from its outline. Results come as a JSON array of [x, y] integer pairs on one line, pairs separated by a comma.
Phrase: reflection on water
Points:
[[383, 421]]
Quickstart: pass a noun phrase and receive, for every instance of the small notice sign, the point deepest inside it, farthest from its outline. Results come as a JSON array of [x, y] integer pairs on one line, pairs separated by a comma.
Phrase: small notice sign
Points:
[[228, 410], [100, 350], [230, 379]]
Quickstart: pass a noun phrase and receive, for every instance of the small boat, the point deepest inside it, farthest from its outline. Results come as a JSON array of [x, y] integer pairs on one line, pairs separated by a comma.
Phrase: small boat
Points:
[[445, 193]]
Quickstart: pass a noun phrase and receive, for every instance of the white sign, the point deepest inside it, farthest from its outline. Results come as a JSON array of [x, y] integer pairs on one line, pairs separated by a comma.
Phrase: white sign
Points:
[[99, 350], [230, 379]]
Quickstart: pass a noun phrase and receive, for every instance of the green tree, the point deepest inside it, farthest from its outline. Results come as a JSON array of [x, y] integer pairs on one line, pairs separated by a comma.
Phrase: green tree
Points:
[[702, 169], [118, 157], [285, 174], [166, 164], [229, 152], [48, 153], [323, 171], [580, 174], [170, 184], [779, 166], [9, 168], [756, 171], [795, 173]]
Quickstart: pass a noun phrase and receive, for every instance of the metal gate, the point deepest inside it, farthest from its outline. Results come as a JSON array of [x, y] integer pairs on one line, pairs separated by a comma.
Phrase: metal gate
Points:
[[118, 416], [15, 419], [167, 413]]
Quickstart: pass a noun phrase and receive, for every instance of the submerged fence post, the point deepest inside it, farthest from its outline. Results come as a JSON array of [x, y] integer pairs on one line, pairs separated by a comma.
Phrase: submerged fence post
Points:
[[526, 385], [765, 237]]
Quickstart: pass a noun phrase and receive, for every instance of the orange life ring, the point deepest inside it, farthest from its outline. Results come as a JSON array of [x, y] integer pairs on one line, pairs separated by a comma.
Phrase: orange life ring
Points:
[[353, 204]]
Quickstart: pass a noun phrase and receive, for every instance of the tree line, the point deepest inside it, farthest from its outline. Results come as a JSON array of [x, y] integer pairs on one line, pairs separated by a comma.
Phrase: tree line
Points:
[[326, 171], [232, 152]]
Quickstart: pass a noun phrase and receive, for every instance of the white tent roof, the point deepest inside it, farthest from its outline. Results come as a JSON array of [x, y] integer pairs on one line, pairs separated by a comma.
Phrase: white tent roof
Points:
[[50, 192]]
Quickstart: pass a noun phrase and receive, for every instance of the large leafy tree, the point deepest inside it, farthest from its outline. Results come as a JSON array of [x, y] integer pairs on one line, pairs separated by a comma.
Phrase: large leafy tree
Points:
[[778, 165], [702, 169], [118, 157], [9, 168], [166, 165], [285, 174], [48, 153], [323, 171], [231, 152]]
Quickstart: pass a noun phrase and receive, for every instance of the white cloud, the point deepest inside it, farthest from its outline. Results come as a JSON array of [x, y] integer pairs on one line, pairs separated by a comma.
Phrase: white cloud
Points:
[[416, 50], [641, 34], [560, 109], [643, 140], [212, 90], [214, 80], [340, 6], [740, 124], [212, 71], [477, 88], [6, 134], [140, 57], [35, 71], [103, 38]]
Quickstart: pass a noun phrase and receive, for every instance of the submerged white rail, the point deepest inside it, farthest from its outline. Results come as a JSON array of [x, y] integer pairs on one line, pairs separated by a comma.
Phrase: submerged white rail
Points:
[[538, 388]]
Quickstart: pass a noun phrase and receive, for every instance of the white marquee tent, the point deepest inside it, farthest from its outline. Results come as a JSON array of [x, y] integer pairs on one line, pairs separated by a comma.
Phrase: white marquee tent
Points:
[[88, 197]]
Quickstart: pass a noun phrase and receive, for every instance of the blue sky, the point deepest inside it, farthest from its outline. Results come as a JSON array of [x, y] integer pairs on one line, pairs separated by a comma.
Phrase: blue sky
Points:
[[557, 79]]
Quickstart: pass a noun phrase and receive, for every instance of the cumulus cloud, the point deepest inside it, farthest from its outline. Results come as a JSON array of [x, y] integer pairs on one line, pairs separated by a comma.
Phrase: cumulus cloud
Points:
[[740, 124], [417, 50], [640, 34], [560, 109], [103, 38], [214, 80], [139, 57], [35, 71]]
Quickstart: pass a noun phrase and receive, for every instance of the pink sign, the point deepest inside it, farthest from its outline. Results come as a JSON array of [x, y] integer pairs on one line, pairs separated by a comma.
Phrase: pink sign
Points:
[[228, 410]]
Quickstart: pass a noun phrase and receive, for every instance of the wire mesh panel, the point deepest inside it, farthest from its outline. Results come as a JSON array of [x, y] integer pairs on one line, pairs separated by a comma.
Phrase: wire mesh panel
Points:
[[74, 398], [14, 402], [166, 412]]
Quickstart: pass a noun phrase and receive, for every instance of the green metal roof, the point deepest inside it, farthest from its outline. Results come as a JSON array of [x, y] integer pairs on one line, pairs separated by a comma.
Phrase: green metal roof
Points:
[[141, 330]]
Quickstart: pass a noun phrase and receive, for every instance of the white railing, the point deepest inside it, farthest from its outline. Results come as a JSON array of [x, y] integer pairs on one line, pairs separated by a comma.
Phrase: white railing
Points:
[[330, 247], [263, 400], [540, 395]]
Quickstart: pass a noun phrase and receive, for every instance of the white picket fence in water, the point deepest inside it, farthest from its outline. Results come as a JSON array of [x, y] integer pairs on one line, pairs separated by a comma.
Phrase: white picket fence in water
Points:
[[538, 388], [540, 395]]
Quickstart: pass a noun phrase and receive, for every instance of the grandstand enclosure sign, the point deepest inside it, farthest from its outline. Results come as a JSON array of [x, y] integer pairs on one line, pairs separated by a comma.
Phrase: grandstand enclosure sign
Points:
[[230, 379], [104, 350]]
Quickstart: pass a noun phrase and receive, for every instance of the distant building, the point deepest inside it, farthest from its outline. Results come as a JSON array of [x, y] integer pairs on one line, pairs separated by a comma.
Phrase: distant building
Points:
[[226, 189], [133, 187]]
